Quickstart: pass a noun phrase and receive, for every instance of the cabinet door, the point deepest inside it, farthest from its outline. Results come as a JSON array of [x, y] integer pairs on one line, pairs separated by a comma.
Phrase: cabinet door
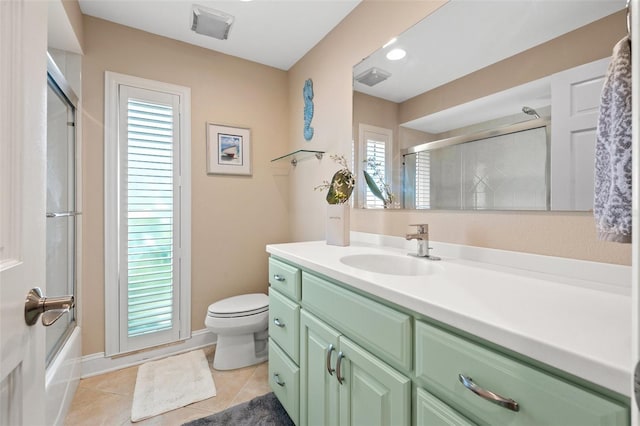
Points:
[[372, 393], [318, 386], [430, 411], [284, 379]]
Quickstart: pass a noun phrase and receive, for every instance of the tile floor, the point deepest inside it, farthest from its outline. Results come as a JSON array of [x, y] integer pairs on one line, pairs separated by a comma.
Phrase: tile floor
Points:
[[106, 399]]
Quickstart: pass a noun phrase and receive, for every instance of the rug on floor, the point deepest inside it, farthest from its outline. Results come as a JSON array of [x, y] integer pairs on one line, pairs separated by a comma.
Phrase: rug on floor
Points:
[[264, 410], [171, 383]]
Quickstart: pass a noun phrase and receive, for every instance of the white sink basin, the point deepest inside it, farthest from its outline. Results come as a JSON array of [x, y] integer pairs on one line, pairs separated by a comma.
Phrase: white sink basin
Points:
[[390, 265]]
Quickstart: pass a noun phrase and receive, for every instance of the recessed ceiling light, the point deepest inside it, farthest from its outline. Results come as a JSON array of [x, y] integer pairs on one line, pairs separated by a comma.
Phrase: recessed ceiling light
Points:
[[396, 54]]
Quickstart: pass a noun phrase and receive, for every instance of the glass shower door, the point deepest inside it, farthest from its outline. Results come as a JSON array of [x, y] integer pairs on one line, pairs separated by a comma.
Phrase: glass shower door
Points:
[[61, 210]]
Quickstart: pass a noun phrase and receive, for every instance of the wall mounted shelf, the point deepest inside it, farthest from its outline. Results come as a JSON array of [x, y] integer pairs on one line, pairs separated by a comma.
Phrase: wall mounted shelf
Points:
[[299, 155]]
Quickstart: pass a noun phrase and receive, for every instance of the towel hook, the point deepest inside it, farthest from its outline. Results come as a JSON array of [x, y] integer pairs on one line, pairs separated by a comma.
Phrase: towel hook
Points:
[[629, 17]]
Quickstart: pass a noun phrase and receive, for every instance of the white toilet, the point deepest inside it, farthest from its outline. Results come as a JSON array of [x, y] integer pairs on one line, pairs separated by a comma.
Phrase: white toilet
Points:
[[241, 324]]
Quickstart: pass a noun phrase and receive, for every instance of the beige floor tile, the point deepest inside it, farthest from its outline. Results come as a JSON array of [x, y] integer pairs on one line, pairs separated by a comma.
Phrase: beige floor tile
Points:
[[107, 399], [172, 418], [121, 382], [93, 407], [228, 384], [256, 385]]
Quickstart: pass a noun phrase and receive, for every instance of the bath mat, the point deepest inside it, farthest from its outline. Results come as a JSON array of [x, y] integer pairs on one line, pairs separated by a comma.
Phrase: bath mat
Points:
[[171, 383], [264, 410]]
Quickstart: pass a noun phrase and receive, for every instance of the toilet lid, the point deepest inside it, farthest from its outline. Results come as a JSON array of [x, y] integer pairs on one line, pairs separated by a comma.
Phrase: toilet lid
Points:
[[246, 304]]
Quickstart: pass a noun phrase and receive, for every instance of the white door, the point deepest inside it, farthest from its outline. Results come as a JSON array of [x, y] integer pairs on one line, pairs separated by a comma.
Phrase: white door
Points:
[[575, 95], [23, 73]]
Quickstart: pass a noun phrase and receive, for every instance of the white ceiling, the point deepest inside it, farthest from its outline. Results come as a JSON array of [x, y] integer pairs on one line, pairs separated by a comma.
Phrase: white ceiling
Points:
[[272, 32], [466, 35]]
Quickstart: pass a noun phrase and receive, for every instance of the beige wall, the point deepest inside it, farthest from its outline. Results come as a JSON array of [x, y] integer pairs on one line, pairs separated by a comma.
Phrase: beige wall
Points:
[[72, 9], [329, 64], [233, 217]]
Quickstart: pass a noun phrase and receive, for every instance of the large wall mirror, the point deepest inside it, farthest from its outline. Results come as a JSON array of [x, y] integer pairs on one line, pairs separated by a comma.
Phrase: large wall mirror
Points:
[[485, 105]]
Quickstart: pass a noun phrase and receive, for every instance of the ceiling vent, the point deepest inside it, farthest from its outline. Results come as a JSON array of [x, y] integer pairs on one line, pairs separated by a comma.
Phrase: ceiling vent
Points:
[[372, 76], [210, 22]]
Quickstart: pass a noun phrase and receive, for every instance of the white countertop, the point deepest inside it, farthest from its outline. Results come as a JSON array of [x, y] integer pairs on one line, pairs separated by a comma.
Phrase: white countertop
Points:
[[577, 325]]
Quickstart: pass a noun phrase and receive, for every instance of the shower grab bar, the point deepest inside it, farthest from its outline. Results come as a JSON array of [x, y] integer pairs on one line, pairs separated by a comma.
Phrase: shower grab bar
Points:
[[63, 214]]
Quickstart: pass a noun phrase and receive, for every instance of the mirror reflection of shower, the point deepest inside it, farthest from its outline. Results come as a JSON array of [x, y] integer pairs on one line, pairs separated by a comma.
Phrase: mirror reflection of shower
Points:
[[530, 111]]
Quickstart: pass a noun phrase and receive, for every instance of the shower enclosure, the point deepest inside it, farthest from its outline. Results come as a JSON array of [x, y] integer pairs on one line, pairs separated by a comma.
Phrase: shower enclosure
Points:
[[61, 203], [63, 338]]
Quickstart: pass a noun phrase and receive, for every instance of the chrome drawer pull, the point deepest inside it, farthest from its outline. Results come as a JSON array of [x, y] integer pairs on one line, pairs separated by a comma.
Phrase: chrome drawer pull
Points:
[[507, 403], [330, 349], [278, 323], [276, 377], [339, 368], [278, 278]]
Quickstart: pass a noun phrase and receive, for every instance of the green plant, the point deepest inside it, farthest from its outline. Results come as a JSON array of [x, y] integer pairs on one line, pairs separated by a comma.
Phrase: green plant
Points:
[[341, 185], [379, 189]]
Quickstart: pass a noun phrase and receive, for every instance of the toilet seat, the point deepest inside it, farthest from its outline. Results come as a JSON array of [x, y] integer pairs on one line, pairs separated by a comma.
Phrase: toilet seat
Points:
[[239, 306]]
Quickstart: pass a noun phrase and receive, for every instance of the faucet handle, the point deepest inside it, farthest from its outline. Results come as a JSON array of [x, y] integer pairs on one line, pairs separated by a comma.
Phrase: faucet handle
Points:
[[423, 228]]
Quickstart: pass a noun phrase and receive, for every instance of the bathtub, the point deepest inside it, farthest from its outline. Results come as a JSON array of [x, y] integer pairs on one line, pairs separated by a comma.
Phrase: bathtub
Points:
[[62, 378]]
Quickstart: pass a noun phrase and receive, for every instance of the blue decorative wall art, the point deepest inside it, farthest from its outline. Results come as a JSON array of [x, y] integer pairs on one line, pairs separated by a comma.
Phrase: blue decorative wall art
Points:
[[307, 95]]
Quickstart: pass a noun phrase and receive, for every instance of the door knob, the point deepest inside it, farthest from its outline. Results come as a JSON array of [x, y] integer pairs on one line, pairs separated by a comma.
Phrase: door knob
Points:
[[52, 307]]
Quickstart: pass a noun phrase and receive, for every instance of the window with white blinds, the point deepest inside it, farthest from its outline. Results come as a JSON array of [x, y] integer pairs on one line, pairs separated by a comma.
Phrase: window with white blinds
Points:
[[375, 153], [423, 180], [375, 144], [150, 229], [148, 204]]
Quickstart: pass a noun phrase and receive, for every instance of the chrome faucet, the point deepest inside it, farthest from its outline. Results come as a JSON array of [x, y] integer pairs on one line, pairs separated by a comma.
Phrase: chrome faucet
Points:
[[422, 235]]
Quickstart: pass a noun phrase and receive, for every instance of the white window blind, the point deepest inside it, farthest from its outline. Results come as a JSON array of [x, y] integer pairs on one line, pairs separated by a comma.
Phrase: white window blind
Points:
[[423, 180], [147, 213], [375, 151], [150, 226]]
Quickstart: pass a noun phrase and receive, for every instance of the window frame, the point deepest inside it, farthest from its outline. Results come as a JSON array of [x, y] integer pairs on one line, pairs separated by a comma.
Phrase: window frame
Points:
[[115, 342]]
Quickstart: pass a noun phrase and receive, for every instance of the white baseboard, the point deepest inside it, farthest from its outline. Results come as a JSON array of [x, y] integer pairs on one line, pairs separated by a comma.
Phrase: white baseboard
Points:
[[98, 363]]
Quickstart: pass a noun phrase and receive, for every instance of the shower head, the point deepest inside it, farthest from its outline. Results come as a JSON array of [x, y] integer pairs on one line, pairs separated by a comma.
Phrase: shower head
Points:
[[530, 111]]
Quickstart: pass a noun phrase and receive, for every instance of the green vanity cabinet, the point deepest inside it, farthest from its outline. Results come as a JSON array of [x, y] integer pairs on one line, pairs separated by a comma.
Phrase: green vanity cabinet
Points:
[[284, 379], [338, 357], [541, 398], [319, 396], [430, 411], [284, 335], [284, 278], [379, 328], [341, 383]]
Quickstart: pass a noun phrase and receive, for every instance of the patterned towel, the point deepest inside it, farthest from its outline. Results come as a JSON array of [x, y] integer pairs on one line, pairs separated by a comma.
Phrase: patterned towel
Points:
[[612, 198]]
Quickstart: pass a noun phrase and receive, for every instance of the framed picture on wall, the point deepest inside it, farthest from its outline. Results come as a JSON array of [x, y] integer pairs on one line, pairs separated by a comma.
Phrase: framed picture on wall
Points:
[[228, 150]]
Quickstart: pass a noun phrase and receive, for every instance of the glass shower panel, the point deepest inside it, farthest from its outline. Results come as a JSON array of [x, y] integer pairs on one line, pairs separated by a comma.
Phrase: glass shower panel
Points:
[[61, 203]]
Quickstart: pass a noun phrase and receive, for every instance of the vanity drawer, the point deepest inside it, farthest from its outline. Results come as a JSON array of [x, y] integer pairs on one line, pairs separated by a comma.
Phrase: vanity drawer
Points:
[[284, 324], [380, 329], [543, 399], [284, 379], [284, 278], [430, 411]]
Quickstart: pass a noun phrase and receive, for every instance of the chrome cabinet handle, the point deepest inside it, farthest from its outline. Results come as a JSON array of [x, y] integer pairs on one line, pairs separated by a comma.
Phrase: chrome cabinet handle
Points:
[[63, 214], [278, 278], [277, 322], [339, 368], [52, 307], [507, 403], [276, 377], [330, 349]]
